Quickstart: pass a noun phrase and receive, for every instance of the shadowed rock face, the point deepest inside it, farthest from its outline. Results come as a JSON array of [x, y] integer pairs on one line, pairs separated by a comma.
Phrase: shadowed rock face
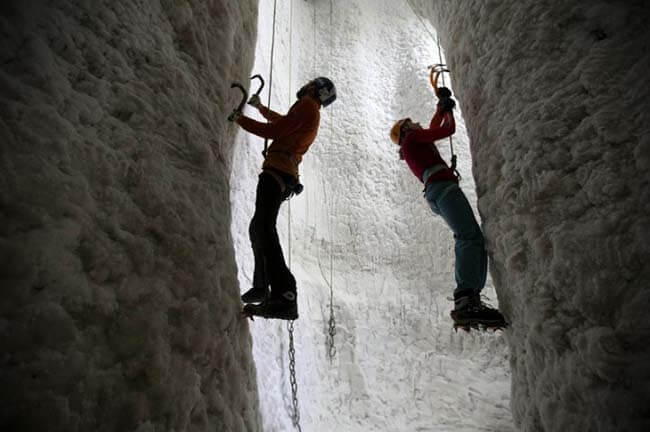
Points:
[[119, 292], [555, 103]]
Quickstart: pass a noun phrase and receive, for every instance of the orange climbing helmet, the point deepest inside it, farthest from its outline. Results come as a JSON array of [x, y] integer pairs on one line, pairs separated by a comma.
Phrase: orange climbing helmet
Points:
[[396, 130]]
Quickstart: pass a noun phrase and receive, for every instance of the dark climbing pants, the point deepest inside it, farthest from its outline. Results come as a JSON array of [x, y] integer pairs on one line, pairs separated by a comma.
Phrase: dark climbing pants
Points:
[[270, 268], [448, 200]]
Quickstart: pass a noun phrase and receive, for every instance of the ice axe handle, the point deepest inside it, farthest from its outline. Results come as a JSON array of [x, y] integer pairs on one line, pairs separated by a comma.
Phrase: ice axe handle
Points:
[[244, 97], [259, 89]]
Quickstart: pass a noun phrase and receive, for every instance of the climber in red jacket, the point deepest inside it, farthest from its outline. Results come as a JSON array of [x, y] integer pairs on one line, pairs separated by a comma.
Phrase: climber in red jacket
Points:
[[446, 199]]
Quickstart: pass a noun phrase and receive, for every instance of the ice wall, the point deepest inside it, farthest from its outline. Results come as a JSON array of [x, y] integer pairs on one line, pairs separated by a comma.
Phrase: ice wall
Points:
[[555, 98], [362, 226], [119, 306]]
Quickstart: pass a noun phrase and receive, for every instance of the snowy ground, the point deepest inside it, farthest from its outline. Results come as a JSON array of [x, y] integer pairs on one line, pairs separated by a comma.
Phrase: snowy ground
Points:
[[362, 226]]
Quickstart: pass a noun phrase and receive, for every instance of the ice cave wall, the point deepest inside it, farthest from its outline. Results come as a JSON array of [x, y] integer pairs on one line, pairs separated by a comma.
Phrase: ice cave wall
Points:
[[119, 307], [555, 98], [362, 225]]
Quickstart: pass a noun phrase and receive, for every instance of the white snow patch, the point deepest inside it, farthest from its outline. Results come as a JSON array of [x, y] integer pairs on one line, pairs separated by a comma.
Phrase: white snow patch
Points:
[[363, 226]]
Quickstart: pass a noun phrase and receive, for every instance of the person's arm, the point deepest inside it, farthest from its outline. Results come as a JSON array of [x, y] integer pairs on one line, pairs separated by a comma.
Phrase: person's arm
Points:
[[436, 119], [269, 114], [283, 126], [450, 121], [446, 128]]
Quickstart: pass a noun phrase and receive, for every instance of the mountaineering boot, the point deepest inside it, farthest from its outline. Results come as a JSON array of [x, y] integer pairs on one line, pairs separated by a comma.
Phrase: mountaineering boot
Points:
[[255, 295], [471, 312], [282, 307]]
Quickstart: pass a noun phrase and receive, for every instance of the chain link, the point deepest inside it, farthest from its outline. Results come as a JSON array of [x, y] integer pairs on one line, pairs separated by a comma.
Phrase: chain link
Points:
[[295, 418], [331, 348]]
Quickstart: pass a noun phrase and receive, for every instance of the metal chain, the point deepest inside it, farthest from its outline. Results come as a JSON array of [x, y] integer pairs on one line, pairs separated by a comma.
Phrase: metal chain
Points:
[[331, 348], [295, 417]]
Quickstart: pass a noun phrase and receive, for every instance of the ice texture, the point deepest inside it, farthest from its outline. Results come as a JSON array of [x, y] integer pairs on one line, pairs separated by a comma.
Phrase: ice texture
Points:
[[555, 99], [363, 226], [120, 301]]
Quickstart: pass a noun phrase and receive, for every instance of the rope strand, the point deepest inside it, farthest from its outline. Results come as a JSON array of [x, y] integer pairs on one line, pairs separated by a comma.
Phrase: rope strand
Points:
[[268, 104]]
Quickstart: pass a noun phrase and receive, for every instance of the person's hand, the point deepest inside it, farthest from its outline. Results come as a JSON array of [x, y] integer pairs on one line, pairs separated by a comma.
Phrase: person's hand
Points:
[[446, 104], [234, 115], [443, 92], [255, 101]]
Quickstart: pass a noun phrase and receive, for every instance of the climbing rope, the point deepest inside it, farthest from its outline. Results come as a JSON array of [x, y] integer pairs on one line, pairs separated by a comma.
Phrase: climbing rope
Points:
[[268, 104]]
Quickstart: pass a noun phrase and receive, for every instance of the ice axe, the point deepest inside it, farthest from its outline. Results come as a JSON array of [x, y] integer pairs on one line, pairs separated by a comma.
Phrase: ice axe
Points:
[[259, 89], [244, 98], [436, 71], [257, 93]]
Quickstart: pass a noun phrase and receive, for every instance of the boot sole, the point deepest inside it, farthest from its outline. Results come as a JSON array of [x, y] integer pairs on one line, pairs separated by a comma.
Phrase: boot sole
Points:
[[281, 316]]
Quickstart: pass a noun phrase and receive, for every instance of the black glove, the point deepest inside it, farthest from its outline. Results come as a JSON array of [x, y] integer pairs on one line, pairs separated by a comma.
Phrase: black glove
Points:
[[255, 101], [234, 115], [446, 104], [444, 92]]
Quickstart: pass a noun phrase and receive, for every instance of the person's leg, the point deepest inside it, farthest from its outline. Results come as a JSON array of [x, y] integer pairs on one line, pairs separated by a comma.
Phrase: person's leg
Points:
[[449, 201], [263, 230]]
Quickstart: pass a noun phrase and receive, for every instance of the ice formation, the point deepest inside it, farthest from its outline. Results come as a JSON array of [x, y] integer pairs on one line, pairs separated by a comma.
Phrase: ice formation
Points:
[[125, 197], [120, 302], [362, 225], [555, 96]]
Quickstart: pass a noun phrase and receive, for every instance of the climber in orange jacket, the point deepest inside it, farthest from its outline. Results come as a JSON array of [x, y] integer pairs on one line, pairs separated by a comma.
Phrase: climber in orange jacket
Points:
[[292, 134]]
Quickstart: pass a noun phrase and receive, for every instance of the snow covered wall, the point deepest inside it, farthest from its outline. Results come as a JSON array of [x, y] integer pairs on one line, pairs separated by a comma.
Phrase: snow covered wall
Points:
[[120, 302], [555, 96], [362, 226]]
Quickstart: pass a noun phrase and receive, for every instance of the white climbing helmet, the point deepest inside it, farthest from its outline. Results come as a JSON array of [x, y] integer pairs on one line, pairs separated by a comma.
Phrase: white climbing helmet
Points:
[[325, 90]]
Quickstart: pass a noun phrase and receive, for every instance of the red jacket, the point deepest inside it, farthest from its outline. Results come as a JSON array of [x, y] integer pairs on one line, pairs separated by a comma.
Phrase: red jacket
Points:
[[419, 151], [292, 134]]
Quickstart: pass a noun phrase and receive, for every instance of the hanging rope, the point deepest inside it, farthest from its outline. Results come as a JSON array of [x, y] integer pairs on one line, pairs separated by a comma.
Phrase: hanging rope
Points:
[[331, 323], [268, 104]]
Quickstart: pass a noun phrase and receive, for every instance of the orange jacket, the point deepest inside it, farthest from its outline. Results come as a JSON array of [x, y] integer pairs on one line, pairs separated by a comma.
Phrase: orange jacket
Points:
[[292, 134]]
